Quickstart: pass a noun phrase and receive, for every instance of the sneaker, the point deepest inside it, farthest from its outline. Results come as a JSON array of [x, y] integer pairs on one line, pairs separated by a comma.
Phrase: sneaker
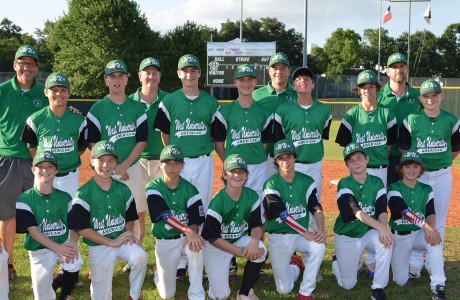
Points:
[[232, 272], [250, 296], [302, 297], [439, 293], [378, 294], [263, 277], [298, 261], [11, 274], [414, 272], [371, 270], [127, 268], [180, 275]]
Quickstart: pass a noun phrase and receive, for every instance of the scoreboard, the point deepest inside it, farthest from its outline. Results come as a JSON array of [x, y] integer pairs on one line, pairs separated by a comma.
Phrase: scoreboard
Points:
[[224, 58]]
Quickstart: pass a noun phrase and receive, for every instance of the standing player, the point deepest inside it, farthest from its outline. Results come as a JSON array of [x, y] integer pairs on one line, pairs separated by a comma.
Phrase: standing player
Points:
[[43, 213], [124, 123], [246, 127], [55, 128], [401, 99], [4, 284], [19, 98], [288, 195], [176, 212], [362, 224], [234, 213], [150, 96], [412, 208], [103, 212], [276, 92]]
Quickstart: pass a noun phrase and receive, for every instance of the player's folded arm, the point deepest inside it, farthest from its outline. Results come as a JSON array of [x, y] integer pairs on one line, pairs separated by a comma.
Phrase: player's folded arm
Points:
[[348, 207], [273, 204], [396, 204], [79, 218], [24, 218], [157, 206], [195, 213], [381, 204], [211, 228], [312, 202], [131, 212], [255, 218]]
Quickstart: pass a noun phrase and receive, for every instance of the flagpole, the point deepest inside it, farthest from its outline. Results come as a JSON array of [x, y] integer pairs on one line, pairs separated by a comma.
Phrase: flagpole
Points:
[[380, 30], [408, 39]]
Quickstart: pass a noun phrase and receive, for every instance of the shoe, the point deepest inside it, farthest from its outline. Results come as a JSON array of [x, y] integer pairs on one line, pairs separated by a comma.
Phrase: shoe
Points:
[[11, 274], [302, 297], [180, 275], [263, 277], [127, 268], [439, 293], [378, 294], [371, 270], [57, 279], [232, 272], [78, 284], [414, 272], [298, 261], [250, 296]]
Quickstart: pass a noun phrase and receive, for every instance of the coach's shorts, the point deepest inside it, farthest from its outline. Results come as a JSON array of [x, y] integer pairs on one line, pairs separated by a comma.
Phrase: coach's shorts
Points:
[[16, 177]]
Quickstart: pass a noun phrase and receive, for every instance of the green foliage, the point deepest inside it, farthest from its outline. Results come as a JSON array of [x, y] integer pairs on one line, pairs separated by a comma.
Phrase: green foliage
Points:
[[370, 47], [10, 40], [343, 51], [449, 47]]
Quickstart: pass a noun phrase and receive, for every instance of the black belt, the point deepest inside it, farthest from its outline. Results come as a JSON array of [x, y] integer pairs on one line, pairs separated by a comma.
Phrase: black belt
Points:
[[65, 173], [401, 232], [438, 169], [193, 157], [378, 167]]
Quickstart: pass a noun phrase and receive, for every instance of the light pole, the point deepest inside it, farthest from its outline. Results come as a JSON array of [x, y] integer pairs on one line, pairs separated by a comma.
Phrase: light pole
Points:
[[305, 62], [241, 22]]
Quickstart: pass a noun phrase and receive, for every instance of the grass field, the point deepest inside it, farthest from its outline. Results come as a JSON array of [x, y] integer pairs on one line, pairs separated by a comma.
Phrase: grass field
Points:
[[326, 289]]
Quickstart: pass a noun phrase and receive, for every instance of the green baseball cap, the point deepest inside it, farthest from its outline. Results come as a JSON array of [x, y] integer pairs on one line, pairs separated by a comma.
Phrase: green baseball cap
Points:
[[57, 79], [367, 76], [245, 70], [103, 148], [411, 156], [26, 50], [172, 152], [46, 156], [188, 60], [396, 57], [302, 71], [430, 86], [115, 66], [235, 161], [352, 148], [149, 62], [284, 147], [279, 58]]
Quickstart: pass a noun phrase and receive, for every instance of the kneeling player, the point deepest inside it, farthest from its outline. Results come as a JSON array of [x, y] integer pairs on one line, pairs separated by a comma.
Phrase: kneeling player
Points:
[[176, 211], [103, 212], [233, 213], [362, 224], [289, 198], [42, 212], [412, 208]]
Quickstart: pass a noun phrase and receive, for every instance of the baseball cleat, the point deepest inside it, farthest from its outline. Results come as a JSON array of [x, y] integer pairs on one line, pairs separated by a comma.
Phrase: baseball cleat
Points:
[[180, 275], [415, 272], [378, 294], [298, 261], [302, 297], [439, 293]]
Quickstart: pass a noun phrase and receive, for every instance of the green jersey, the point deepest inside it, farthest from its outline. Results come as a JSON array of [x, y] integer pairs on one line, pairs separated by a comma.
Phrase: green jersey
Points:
[[374, 131], [353, 196], [420, 200], [305, 127], [230, 219], [184, 203], [122, 124], [188, 122], [245, 130], [154, 142], [47, 212], [16, 106], [106, 212], [401, 107], [269, 97], [433, 138], [64, 136]]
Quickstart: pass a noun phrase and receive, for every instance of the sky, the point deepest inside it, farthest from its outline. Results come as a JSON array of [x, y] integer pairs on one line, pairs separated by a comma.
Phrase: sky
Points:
[[324, 16]]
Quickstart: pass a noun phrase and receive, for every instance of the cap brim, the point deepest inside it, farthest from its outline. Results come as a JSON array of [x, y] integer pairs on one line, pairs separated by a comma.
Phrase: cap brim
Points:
[[171, 159], [103, 154], [286, 152]]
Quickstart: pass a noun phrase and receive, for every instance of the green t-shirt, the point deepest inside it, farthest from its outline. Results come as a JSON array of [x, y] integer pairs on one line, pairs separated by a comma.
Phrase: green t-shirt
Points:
[[15, 107]]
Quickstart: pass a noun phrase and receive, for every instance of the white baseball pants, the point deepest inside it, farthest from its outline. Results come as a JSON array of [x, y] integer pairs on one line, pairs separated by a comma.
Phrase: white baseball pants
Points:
[[4, 283], [200, 172]]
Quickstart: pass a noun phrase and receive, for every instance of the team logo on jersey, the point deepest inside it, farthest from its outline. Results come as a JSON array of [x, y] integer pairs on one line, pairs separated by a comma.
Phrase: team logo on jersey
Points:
[[290, 98], [28, 50], [189, 59], [236, 160], [105, 146], [368, 209], [245, 136], [116, 65], [431, 145], [37, 102], [53, 228], [121, 130], [181, 217], [108, 224], [369, 139], [190, 128], [305, 137], [233, 230], [57, 145], [173, 151]]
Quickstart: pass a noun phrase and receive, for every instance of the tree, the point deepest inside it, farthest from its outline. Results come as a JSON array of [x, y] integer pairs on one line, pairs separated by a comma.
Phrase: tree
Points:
[[342, 51], [370, 47], [95, 32], [449, 47], [11, 37], [425, 61]]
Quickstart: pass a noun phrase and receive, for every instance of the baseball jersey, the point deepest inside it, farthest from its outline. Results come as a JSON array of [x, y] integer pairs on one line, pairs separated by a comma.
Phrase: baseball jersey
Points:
[[297, 197], [48, 212], [188, 122], [122, 124], [401, 107], [64, 136], [230, 219], [16, 106], [374, 131], [433, 138], [154, 142], [353, 196], [272, 99], [420, 200], [245, 130], [106, 212], [306, 128], [183, 202]]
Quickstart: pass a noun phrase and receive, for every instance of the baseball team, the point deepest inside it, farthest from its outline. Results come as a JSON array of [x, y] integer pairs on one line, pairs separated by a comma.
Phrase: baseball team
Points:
[[152, 152]]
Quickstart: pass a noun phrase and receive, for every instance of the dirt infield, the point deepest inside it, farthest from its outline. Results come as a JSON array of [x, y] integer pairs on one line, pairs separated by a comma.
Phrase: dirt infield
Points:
[[332, 170]]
